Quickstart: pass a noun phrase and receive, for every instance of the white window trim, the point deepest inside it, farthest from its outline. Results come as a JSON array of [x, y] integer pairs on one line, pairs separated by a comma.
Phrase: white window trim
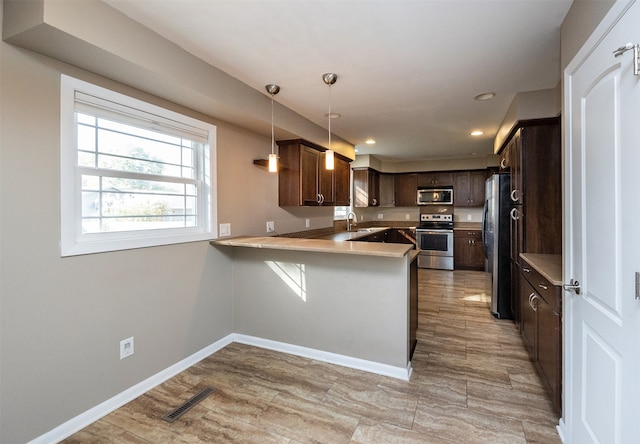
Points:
[[73, 241]]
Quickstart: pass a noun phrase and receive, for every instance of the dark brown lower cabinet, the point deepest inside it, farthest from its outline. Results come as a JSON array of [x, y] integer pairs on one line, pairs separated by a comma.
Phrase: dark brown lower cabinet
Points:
[[468, 253], [541, 329]]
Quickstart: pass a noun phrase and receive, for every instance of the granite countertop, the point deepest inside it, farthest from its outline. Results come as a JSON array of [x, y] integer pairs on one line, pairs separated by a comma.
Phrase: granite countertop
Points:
[[320, 245], [548, 265]]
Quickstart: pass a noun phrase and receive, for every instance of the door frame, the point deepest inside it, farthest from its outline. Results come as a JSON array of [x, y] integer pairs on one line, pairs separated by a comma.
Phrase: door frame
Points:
[[613, 16]]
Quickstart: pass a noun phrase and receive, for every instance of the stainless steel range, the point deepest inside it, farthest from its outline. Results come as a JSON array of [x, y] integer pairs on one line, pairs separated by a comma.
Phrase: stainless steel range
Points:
[[434, 238]]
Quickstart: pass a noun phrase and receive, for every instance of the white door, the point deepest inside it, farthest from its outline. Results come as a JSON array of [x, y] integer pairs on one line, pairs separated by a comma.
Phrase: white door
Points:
[[602, 236]]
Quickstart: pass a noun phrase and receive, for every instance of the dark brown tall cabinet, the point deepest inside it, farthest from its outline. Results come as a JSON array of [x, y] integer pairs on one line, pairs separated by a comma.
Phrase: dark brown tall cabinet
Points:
[[535, 167], [532, 155], [304, 181]]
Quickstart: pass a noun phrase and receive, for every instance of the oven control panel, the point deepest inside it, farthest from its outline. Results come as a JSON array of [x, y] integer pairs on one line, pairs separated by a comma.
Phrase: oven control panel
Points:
[[436, 218]]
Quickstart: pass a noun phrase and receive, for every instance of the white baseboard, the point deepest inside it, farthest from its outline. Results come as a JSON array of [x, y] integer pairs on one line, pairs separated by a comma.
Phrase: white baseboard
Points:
[[332, 358], [90, 416], [560, 428]]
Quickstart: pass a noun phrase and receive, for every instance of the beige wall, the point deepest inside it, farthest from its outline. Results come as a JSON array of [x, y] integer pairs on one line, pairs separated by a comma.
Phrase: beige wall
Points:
[[355, 306], [581, 20], [62, 318]]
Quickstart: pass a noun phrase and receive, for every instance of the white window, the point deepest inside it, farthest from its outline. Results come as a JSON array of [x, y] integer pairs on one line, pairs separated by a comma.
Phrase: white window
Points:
[[340, 213], [132, 174]]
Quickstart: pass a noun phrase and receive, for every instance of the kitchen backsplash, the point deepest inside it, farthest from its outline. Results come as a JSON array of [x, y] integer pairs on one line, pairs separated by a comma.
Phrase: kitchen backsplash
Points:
[[381, 214], [464, 214]]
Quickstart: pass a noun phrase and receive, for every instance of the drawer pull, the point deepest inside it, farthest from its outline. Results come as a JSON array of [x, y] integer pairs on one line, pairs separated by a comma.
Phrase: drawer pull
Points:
[[526, 270], [544, 287]]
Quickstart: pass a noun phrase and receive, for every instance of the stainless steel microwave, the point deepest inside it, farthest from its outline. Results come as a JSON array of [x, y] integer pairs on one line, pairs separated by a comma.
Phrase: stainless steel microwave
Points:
[[435, 196]]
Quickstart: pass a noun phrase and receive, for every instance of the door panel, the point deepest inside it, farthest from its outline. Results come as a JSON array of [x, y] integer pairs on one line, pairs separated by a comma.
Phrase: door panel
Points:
[[602, 109]]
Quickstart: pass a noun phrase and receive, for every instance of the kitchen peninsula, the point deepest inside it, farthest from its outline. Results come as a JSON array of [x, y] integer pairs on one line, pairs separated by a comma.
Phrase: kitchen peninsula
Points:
[[348, 303]]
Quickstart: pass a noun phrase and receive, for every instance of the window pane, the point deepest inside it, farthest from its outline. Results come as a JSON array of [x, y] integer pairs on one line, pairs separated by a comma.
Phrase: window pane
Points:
[[84, 118], [121, 204], [86, 138]]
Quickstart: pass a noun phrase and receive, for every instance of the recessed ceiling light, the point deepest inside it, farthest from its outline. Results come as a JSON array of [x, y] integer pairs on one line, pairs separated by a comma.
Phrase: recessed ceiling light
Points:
[[485, 96], [477, 133], [370, 142]]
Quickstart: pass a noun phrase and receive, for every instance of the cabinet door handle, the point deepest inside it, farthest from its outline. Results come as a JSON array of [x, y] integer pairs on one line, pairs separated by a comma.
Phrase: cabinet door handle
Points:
[[503, 163], [513, 196], [544, 287], [375, 201], [532, 299], [514, 214], [526, 270]]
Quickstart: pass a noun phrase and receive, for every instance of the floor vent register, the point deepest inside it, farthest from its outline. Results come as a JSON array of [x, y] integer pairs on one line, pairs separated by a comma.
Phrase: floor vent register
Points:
[[188, 405]]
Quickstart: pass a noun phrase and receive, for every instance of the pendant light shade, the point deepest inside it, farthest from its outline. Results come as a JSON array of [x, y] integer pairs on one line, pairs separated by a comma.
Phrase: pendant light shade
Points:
[[273, 89], [329, 159], [329, 78]]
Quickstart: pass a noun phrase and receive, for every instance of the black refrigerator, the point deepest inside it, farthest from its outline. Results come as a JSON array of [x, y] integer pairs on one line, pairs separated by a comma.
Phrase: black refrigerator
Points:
[[496, 239]]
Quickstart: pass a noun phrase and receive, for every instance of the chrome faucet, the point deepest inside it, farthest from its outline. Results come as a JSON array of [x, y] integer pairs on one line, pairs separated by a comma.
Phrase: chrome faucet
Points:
[[355, 220]]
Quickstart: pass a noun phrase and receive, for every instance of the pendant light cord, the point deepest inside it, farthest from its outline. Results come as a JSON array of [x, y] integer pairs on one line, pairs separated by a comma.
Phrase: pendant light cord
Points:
[[329, 115], [272, 132]]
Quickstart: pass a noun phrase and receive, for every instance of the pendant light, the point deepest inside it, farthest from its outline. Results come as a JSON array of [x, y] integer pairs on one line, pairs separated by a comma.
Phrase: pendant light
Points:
[[329, 78], [273, 89]]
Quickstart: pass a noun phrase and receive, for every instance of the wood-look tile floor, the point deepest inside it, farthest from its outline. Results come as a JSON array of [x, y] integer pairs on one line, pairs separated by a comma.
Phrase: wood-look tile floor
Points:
[[472, 382]]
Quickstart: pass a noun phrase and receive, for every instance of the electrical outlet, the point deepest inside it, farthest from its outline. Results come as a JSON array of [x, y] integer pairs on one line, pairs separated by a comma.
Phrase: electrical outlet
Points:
[[225, 230], [307, 222], [270, 226], [126, 347], [407, 216], [469, 217], [380, 215]]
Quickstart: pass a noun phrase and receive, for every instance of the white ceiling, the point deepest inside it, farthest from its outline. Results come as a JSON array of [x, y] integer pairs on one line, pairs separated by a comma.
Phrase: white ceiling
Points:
[[407, 69]]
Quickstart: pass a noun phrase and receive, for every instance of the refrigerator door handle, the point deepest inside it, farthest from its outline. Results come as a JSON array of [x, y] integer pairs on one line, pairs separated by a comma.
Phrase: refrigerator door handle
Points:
[[484, 229]]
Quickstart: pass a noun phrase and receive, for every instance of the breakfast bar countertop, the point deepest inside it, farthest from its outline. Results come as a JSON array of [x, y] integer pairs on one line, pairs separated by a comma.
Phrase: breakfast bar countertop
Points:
[[317, 245]]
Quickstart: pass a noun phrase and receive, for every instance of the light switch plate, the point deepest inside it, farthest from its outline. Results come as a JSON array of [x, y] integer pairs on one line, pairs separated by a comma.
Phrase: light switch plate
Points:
[[225, 230], [380, 215], [270, 226], [307, 222]]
